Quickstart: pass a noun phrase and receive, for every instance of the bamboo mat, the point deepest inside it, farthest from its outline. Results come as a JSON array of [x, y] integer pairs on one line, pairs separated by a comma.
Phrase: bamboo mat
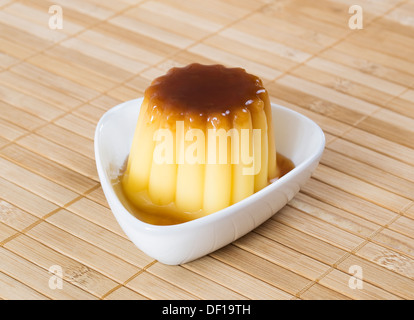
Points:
[[356, 214]]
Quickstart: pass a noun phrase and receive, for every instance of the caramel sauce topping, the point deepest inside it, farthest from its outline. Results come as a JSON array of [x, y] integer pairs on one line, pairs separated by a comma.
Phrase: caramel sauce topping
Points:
[[204, 89]]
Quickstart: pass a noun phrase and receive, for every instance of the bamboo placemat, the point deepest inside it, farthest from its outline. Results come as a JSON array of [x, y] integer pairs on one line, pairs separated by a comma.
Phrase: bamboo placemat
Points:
[[356, 214]]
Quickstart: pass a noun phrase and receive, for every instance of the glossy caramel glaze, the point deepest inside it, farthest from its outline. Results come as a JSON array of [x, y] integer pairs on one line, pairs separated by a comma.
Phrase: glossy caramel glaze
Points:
[[204, 89]]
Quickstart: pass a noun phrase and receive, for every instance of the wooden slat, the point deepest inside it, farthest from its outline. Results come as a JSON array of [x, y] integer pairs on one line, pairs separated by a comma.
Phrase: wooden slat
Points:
[[15, 217], [70, 139], [49, 169], [221, 12], [227, 58], [150, 31], [96, 213], [90, 8], [262, 269], [99, 236], [298, 34], [12, 289], [319, 292], [178, 20], [82, 251], [236, 280], [276, 57], [120, 46], [6, 232], [389, 259], [10, 131], [89, 112], [124, 92], [124, 294], [339, 282], [6, 60], [348, 202], [385, 41], [25, 199], [403, 225], [38, 30], [29, 104], [38, 16], [20, 39], [55, 82], [317, 228], [105, 102], [145, 282], [19, 117], [99, 53], [37, 184], [360, 188], [396, 241], [98, 196], [66, 157], [286, 257], [392, 282], [333, 96], [334, 216], [371, 62], [34, 276], [346, 81], [301, 242], [410, 212], [362, 171], [391, 126]]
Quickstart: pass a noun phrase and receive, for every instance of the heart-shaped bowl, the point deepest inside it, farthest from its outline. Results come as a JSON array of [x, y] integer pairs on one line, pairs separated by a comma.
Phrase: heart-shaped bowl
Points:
[[297, 138]]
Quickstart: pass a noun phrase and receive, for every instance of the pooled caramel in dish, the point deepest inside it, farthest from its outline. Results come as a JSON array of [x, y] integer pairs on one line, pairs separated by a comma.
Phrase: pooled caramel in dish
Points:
[[204, 140]]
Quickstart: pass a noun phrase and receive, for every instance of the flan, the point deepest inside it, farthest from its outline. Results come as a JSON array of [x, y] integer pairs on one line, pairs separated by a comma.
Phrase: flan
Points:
[[203, 141]]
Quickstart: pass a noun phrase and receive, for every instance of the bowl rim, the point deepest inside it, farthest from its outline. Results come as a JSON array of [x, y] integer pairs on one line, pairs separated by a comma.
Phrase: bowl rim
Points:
[[213, 217]]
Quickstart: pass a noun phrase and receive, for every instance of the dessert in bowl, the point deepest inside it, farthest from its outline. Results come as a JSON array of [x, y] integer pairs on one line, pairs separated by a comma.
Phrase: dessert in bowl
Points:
[[193, 165]]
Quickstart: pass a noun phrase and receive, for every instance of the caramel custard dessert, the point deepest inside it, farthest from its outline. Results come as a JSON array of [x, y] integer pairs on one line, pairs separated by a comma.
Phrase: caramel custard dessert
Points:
[[203, 141]]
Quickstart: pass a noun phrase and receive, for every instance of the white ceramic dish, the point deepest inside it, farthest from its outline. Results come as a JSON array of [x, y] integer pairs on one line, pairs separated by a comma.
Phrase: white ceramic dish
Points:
[[297, 138]]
